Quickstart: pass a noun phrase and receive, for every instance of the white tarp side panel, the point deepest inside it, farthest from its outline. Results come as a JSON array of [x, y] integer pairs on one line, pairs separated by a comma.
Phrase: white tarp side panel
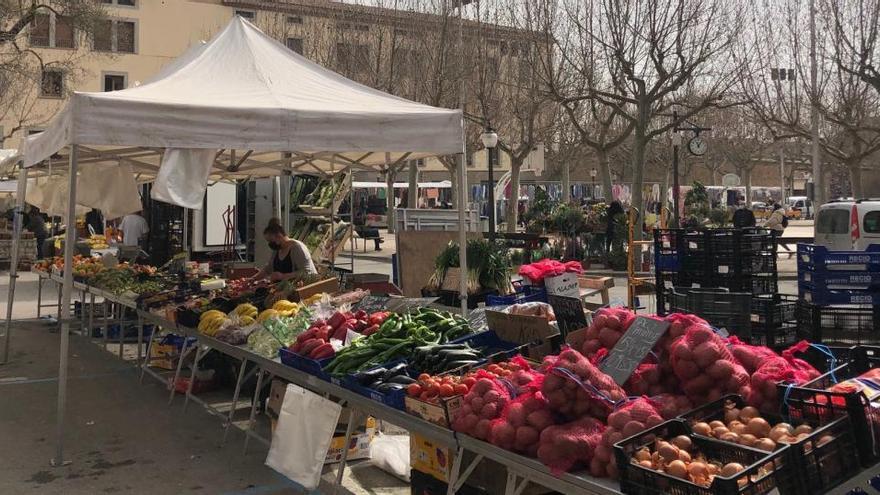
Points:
[[109, 188], [183, 177], [8, 159], [246, 91], [50, 194]]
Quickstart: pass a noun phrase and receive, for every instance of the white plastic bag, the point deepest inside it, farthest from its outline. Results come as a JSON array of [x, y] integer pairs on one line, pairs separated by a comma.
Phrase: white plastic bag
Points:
[[183, 177], [302, 436], [390, 453]]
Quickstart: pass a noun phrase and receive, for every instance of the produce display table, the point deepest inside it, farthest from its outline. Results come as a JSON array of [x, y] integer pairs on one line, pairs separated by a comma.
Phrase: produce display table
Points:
[[521, 470]]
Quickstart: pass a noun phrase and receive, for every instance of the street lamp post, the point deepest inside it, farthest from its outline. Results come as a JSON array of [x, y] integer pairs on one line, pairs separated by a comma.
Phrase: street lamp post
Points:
[[490, 141], [676, 143]]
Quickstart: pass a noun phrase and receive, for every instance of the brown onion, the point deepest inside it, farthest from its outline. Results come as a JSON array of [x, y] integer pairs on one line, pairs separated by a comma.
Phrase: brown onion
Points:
[[731, 469], [677, 469], [702, 429]]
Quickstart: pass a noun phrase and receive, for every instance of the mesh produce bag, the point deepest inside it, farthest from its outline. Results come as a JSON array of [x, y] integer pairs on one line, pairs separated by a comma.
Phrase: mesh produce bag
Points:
[[608, 325], [536, 272], [522, 421], [707, 369], [672, 405], [749, 356], [562, 447], [484, 402], [764, 393], [575, 388], [630, 416]]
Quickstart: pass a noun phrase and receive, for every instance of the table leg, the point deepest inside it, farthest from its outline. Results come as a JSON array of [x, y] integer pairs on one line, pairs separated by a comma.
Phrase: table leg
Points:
[[59, 300], [106, 317], [512, 487], [353, 418], [241, 379], [453, 473], [254, 401], [456, 477], [120, 319], [184, 351], [192, 376], [91, 314], [39, 296], [140, 337], [147, 356]]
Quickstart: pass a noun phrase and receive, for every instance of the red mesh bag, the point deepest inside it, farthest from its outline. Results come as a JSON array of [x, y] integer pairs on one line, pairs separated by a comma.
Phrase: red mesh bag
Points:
[[522, 421], [575, 388], [678, 324], [562, 447], [608, 325], [648, 378], [483, 403], [672, 405], [539, 270], [764, 393], [707, 369], [749, 356], [630, 416]]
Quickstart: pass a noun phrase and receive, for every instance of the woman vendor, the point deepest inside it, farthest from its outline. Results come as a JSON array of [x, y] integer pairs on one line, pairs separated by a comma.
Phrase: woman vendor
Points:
[[290, 257]]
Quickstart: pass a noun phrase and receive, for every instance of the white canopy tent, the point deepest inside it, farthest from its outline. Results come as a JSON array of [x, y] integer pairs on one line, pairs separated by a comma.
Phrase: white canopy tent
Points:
[[240, 91]]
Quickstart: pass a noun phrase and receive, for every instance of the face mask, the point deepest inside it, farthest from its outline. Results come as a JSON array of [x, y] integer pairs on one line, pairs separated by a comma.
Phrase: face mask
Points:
[[274, 246]]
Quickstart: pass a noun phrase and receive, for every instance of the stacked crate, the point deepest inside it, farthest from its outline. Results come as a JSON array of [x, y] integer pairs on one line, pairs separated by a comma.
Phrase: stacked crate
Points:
[[839, 295], [741, 262]]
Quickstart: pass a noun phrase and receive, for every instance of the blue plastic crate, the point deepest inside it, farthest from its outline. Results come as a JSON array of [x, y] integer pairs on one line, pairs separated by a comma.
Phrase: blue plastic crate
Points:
[[849, 278], [524, 294], [820, 295], [490, 342], [130, 335], [304, 364], [667, 262], [816, 258], [393, 399]]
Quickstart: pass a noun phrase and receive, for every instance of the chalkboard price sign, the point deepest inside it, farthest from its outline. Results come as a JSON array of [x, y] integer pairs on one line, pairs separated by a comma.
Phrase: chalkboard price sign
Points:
[[632, 348], [371, 304], [569, 313]]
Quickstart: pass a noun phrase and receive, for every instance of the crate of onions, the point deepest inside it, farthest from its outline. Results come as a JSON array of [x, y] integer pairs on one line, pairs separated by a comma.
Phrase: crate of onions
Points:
[[822, 455], [669, 458]]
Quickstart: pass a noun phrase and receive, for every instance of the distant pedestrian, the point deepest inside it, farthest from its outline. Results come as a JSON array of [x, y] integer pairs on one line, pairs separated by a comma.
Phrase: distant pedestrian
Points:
[[614, 210], [743, 217], [95, 220], [36, 223]]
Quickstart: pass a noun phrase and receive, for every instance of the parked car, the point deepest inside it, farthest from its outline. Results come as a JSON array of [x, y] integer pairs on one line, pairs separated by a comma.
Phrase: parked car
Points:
[[848, 225], [800, 204]]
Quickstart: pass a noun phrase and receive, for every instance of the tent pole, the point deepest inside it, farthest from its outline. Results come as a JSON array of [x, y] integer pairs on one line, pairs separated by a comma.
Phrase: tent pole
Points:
[[17, 221], [186, 232], [277, 183], [64, 316], [462, 178]]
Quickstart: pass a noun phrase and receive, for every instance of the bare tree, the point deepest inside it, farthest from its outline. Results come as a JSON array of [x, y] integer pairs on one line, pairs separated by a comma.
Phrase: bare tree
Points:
[[656, 55], [27, 70]]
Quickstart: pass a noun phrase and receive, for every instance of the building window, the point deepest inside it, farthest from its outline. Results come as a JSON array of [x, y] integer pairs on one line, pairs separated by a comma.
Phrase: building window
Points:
[[115, 36], [52, 84], [114, 82], [347, 26], [51, 31], [294, 19], [295, 44], [124, 3], [352, 57], [247, 14]]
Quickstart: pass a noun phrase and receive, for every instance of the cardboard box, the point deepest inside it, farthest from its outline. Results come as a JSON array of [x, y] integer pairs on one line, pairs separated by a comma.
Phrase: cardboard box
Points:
[[358, 448], [440, 414], [563, 285], [523, 329], [489, 477], [276, 397], [329, 286], [425, 484], [429, 457]]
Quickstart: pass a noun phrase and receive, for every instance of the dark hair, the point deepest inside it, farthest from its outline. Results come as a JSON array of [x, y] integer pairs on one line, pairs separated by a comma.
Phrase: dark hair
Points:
[[274, 227]]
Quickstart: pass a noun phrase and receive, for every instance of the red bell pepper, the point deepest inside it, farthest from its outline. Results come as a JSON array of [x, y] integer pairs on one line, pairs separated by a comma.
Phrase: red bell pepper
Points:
[[337, 319], [370, 330], [324, 351], [310, 345], [360, 314]]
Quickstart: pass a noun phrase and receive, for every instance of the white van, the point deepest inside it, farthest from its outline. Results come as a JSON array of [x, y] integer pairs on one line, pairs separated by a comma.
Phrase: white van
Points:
[[801, 204], [848, 225]]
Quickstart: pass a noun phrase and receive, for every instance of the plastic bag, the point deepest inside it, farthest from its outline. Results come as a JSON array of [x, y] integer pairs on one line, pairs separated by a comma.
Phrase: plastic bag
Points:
[[575, 388], [306, 424], [390, 453], [536, 272]]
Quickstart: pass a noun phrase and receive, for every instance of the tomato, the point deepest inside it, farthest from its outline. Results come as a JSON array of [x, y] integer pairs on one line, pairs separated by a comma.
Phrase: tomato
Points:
[[461, 389], [469, 381], [414, 390], [424, 377], [446, 390], [424, 396]]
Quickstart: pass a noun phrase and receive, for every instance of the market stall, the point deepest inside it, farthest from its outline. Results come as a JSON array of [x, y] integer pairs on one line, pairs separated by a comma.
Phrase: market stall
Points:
[[240, 91]]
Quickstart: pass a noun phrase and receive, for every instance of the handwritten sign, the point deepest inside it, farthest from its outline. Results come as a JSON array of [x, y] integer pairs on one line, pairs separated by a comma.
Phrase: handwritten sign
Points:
[[569, 313], [371, 304], [632, 348]]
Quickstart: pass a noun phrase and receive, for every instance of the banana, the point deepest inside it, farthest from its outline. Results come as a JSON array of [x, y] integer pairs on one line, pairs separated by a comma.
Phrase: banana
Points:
[[246, 310], [246, 320], [267, 314], [211, 313]]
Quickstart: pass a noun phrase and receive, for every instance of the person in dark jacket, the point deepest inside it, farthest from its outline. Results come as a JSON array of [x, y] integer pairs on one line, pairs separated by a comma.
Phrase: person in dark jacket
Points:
[[614, 209], [95, 220], [743, 217], [36, 223]]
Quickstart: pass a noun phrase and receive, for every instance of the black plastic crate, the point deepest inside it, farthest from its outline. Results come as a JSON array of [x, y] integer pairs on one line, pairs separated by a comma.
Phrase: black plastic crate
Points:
[[723, 309], [637, 480], [820, 463], [812, 401], [774, 320], [842, 325]]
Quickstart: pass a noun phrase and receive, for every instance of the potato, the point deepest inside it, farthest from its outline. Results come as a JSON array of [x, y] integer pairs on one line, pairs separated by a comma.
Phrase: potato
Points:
[[619, 419], [632, 428], [503, 434], [540, 419], [526, 436]]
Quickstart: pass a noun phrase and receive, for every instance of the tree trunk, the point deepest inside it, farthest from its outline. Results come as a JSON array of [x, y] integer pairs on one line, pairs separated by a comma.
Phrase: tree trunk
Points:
[[413, 197], [747, 178], [855, 180], [566, 182], [513, 202], [640, 142], [605, 171], [454, 180], [389, 199]]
